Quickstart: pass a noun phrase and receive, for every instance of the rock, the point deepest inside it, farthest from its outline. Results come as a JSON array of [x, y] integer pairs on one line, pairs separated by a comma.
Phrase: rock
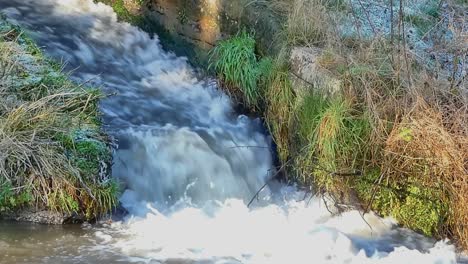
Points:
[[196, 21], [307, 72], [39, 216], [132, 6]]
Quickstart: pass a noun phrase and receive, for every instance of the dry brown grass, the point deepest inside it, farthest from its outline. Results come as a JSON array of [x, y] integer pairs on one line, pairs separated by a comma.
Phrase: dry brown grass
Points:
[[431, 146]]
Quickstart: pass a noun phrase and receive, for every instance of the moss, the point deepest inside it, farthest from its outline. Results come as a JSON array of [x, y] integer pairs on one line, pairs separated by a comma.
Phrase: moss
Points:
[[422, 209], [417, 207]]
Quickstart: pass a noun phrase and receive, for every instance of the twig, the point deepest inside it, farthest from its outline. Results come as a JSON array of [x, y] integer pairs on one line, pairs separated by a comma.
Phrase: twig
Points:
[[408, 72], [368, 18], [257, 193], [391, 26], [266, 183], [326, 205], [249, 147]]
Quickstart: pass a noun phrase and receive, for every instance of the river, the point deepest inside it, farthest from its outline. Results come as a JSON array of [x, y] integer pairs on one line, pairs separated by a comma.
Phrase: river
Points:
[[190, 165]]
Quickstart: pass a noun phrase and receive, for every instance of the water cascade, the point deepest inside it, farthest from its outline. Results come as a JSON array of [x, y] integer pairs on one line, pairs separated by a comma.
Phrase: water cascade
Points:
[[190, 163]]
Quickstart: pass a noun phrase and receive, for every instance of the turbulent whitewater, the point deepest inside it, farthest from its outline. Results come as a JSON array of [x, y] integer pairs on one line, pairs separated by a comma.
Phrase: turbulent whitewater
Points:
[[190, 163]]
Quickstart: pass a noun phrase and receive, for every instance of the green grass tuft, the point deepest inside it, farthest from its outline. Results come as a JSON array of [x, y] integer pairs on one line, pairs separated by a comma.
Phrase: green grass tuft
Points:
[[236, 63], [335, 137]]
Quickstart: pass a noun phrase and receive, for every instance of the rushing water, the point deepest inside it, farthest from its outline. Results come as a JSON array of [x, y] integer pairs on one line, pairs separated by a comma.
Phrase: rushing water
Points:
[[190, 164]]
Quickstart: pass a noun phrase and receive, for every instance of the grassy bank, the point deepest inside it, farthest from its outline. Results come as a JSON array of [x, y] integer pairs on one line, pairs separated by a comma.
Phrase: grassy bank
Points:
[[394, 135], [53, 154]]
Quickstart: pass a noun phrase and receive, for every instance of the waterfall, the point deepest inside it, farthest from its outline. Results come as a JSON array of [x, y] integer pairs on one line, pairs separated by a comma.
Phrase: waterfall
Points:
[[190, 164]]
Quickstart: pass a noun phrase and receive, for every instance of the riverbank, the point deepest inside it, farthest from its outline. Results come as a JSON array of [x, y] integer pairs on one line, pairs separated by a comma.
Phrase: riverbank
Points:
[[374, 113], [55, 159]]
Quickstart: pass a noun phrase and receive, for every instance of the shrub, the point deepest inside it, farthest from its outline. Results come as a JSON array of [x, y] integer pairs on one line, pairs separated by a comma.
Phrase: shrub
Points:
[[11, 197]]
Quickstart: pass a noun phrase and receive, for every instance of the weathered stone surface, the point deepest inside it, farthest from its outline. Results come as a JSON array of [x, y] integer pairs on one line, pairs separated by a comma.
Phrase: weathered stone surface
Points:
[[203, 22], [132, 6], [39, 216], [307, 72], [197, 21]]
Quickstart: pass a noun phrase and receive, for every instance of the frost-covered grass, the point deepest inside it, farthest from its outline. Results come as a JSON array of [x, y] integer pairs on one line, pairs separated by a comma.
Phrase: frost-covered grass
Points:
[[53, 154]]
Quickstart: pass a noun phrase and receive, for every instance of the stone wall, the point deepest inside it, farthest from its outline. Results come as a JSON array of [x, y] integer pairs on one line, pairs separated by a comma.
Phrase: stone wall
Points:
[[204, 22]]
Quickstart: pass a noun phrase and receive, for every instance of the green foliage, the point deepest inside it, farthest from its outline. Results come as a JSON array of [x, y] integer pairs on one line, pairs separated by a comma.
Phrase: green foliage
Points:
[[417, 207], [120, 10], [333, 130], [62, 201], [31, 46], [236, 63], [309, 113], [422, 209], [335, 136], [265, 72], [85, 152], [182, 16], [11, 199], [406, 134], [105, 198], [123, 13], [88, 156]]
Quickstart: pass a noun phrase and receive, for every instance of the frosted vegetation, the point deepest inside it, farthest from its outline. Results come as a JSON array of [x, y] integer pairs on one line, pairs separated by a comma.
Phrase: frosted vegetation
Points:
[[190, 165]]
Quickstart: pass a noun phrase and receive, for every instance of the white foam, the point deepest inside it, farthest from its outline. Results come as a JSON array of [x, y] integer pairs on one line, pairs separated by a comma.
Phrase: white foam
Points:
[[287, 232]]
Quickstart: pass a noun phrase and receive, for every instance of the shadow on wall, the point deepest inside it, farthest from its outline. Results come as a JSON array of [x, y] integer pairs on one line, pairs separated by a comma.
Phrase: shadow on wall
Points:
[[196, 21], [204, 22]]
